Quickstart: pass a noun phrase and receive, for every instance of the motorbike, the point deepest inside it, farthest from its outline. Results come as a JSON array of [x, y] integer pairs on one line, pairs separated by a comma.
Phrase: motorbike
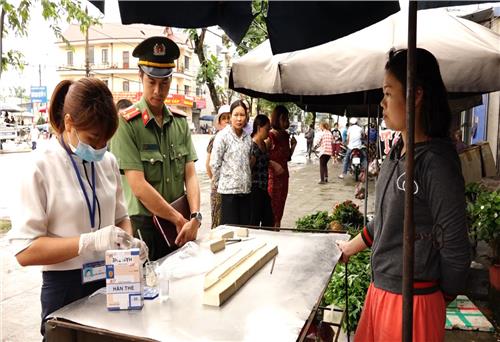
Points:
[[339, 155], [357, 155]]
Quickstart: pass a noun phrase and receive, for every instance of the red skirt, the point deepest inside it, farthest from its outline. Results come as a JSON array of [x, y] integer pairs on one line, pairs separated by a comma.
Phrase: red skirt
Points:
[[278, 191], [381, 319]]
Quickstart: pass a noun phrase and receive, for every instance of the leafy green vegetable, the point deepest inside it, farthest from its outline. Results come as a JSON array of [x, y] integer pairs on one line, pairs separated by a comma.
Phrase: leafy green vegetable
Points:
[[318, 221], [358, 279], [347, 213]]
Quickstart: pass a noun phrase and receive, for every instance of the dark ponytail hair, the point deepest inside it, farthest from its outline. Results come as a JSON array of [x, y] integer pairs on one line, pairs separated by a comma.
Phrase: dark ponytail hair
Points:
[[259, 121], [90, 104], [278, 112], [435, 116], [56, 108]]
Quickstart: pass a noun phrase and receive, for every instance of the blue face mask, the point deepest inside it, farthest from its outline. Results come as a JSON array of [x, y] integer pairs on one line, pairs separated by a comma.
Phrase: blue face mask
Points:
[[87, 152]]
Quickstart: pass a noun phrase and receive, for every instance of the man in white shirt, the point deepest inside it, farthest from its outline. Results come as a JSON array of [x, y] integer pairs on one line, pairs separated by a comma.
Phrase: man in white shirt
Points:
[[35, 133], [354, 136]]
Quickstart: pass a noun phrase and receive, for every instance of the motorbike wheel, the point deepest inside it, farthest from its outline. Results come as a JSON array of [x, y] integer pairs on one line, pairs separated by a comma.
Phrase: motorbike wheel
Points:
[[356, 174]]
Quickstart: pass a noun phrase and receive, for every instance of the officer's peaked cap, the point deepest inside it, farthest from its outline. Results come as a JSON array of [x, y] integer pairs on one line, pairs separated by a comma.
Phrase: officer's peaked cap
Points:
[[156, 56]]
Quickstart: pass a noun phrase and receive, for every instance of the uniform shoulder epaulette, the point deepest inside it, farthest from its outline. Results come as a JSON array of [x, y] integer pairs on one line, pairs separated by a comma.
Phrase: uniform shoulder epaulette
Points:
[[130, 113], [177, 112]]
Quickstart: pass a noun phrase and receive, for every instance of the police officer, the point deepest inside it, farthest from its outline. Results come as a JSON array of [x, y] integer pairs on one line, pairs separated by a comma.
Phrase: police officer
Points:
[[155, 153]]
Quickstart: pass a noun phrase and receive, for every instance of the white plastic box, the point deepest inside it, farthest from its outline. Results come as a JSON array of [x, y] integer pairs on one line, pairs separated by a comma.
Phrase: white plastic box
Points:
[[124, 280]]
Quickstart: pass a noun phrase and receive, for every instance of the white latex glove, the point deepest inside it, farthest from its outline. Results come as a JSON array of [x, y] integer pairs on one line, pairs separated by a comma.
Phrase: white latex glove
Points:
[[110, 237], [144, 250]]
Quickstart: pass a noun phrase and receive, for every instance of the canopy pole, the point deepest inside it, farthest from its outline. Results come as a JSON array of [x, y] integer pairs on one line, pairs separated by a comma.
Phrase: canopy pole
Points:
[[409, 228], [367, 154]]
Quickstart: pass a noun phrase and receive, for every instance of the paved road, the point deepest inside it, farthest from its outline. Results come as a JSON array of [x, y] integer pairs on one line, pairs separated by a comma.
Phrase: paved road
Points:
[[20, 287]]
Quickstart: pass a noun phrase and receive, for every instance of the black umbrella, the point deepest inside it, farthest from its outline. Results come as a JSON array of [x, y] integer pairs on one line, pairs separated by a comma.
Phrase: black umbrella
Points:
[[234, 17], [292, 25], [299, 25]]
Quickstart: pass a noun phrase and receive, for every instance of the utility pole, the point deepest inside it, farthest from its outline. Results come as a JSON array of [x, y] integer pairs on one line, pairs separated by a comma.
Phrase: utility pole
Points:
[[40, 75], [87, 60]]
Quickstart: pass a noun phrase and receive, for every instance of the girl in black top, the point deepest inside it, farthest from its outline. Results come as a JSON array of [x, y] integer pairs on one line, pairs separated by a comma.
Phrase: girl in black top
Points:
[[260, 209]]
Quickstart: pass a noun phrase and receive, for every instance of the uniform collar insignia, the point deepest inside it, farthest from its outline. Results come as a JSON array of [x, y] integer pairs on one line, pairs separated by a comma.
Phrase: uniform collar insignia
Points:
[[145, 117]]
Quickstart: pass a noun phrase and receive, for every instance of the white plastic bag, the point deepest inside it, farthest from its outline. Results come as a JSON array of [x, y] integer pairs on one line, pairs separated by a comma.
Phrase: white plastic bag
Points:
[[188, 261]]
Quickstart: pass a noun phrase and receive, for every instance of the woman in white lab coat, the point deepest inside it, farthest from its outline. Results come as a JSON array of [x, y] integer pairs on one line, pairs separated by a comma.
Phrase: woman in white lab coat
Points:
[[70, 208]]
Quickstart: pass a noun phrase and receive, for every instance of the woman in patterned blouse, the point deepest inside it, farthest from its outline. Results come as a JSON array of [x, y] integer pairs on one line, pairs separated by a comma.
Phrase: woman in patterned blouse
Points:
[[325, 145], [261, 212], [230, 164]]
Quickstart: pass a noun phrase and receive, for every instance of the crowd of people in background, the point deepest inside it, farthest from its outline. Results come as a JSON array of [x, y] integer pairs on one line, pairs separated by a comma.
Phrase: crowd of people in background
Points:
[[249, 170]]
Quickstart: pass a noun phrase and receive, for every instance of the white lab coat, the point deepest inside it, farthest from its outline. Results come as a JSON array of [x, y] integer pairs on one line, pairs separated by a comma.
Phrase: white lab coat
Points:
[[50, 202]]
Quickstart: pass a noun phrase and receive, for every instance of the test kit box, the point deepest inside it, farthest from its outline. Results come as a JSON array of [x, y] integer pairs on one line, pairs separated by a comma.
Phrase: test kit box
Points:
[[124, 280]]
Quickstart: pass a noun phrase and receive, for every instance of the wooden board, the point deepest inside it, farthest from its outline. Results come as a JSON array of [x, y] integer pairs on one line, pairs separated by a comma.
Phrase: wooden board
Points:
[[241, 232], [215, 245], [221, 234], [232, 281], [230, 263]]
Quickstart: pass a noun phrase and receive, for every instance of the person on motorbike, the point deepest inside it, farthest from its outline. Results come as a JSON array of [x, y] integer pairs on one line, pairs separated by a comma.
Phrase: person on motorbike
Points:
[[337, 142], [353, 141]]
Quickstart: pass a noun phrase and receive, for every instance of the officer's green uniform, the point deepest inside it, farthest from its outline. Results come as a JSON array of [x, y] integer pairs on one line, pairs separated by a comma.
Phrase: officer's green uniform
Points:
[[161, 152]]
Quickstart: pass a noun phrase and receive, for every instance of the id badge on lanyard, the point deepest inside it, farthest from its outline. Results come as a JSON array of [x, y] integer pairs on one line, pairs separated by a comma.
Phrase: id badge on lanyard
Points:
[[95, 270]]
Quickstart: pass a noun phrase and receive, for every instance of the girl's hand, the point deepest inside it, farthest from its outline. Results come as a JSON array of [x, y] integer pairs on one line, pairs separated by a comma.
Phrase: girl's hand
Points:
[[345, 248]]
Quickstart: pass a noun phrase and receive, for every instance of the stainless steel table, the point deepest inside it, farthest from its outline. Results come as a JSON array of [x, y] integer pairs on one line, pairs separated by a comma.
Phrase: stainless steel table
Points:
[[268, 307]]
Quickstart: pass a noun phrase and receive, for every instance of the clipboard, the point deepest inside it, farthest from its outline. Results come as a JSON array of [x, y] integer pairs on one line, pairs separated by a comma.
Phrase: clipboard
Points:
[[166, 228]]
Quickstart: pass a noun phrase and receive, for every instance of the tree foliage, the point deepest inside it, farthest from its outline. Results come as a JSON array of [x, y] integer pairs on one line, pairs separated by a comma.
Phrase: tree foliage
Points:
[[16, 18], [210, 67], [257, 32], [19, 92], [209, 70]]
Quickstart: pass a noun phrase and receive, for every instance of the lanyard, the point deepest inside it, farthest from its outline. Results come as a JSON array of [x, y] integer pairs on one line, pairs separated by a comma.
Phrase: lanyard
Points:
[[92, 207]]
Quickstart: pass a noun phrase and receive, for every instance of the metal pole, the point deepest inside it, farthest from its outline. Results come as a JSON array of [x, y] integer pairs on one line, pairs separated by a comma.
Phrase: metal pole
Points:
[[377, 126], [367, 152], [409, 228], [40, 75], [347, 302]]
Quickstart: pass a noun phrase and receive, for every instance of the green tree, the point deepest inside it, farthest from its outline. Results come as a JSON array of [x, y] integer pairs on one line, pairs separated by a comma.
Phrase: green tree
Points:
[[15, 17], [210, 67], [40, 120], [266, 107], [19, 92], [257, 32]]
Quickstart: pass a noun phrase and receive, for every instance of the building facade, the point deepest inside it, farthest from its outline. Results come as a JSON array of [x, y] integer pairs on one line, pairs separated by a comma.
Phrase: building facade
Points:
[[482, 123], [111, 60]]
